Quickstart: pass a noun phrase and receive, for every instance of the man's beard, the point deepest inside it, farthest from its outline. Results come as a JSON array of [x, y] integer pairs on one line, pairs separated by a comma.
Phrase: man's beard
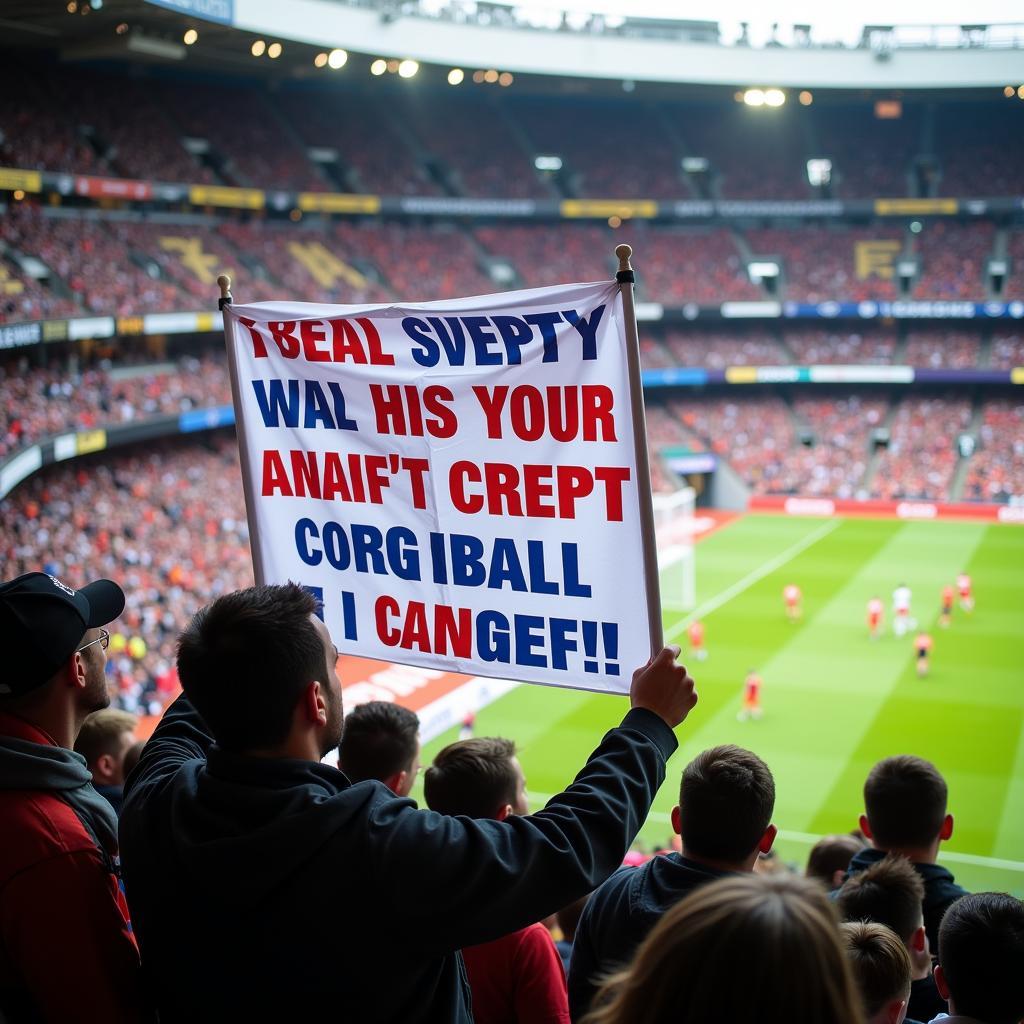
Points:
[[335, 723]]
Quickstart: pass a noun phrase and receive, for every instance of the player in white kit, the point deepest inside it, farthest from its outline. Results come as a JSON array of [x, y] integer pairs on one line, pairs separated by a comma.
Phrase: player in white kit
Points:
[[901, 610]]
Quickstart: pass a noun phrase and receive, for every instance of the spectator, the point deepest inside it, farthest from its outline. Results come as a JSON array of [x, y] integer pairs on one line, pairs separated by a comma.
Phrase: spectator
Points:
[[104, 741], [519, 977], [236, 851], [890, 892], [381, 741], [981, 959], [742, 950], [724, 813], [830, 858], [881, 970], [905, 804], [67, 953], [568, 923]]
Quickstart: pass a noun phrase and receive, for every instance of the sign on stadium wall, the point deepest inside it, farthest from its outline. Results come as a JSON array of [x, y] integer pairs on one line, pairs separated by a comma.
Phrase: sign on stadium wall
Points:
[[886, 509], [456, 480]]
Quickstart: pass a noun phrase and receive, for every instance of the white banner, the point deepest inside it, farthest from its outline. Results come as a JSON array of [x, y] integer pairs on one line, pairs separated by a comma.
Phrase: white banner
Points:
[[456, 480]]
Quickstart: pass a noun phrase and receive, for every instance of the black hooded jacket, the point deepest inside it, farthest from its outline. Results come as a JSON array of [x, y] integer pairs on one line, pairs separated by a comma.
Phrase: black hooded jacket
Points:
[[275, 889]]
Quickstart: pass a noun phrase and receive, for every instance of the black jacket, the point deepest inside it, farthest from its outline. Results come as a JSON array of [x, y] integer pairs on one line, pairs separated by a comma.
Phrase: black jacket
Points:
[[619, 915], [267, 889], [940, 890]]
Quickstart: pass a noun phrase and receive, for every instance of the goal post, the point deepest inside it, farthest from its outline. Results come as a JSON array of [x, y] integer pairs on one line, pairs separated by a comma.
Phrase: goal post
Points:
[[674, 526]]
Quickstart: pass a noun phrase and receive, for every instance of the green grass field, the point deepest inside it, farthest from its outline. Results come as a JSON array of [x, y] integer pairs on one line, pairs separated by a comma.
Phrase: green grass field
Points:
[[834, 701]]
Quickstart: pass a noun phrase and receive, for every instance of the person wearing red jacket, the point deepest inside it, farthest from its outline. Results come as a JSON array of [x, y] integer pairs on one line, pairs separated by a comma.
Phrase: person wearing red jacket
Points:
[[67, 952], [518, 978]]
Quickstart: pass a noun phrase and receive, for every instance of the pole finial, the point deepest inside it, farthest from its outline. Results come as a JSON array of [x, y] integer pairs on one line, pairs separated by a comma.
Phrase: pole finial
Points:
[[224, 283], [624, 252]]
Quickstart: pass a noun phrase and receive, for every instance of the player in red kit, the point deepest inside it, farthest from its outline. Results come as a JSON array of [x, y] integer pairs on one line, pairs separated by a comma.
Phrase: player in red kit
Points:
[[751, 697], [875, 611], [792, 596], [963, 584], [947, 607], [696, 633], [923, 646]]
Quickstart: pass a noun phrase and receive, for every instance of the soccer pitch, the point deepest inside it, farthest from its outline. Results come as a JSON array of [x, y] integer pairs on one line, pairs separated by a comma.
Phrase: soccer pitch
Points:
[[834, 701]]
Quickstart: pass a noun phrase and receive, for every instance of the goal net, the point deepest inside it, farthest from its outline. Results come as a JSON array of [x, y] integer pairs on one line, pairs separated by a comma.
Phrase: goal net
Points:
[[674, 525]]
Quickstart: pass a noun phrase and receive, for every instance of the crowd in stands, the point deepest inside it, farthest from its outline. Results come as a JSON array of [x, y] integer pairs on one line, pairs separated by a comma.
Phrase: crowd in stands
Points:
[[996, 469], [1014, 287], [1007, 351], [946, 349], [953, 260], [921, 456], [818, 346], [717, 349]]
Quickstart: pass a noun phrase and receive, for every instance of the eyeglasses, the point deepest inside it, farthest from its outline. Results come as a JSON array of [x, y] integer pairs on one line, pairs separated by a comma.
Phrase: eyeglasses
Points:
[[103, 640]]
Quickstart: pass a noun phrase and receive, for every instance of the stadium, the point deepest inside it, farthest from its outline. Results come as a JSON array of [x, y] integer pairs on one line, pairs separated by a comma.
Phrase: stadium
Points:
[[826, 218]]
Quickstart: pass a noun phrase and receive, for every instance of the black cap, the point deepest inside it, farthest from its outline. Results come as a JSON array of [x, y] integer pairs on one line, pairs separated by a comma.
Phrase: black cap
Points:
[[42, 622]]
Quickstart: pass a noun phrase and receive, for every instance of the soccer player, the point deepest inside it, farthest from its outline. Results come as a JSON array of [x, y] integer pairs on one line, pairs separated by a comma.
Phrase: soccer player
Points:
[[947, 607], [923, 645], [875, 611], [468, 726], [751, 697], [792, 596], [901, 609], [963, 584], [696, 633]]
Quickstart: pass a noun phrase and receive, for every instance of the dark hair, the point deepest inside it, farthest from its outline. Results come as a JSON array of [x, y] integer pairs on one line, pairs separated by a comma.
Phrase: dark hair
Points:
[[780, 932], [726, 799], [379, 741], [831, 854], [880, 963], [473, 777], [981, 951], [905, 802], [245, 659], [889, 892]]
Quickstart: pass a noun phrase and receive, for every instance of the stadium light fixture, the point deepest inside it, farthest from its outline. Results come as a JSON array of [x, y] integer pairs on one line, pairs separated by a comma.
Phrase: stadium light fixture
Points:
[[336, 59], [806, 98], [378, 67], [456, 76], [274, 50], [819, 171], [490, 76], [258, 48], [1020, 92], [392, 65], [695, 164], [190, 37], [754, 97], [1009, 91], [505, 78], [547, 163], [614, 221], [122, 28], [320, 60], [774, 97], [408, 68], [72, 6], [916, 227], [478, 77], [19, 195], [760, 269]]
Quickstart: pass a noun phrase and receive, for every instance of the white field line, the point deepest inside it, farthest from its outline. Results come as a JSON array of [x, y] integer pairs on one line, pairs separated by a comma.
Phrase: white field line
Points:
[[538, 800], [753, 577]]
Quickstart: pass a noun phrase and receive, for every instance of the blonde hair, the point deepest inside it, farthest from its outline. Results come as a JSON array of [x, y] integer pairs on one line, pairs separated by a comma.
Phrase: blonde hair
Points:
[[740, 949], [101, 733]]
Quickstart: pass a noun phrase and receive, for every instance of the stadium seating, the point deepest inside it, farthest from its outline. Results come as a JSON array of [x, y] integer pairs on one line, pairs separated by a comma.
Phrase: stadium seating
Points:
[[818, 345], [947, 349], [1007, 350], [996, 470], [953, 260], [717, 349], [981, 149]]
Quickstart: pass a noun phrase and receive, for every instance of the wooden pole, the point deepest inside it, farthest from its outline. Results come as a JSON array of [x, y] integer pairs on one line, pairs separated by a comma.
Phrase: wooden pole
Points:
[[626, 278], [224, 305]]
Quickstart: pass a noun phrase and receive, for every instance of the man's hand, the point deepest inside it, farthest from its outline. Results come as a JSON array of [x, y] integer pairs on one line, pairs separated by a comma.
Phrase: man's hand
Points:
[[664, 687]]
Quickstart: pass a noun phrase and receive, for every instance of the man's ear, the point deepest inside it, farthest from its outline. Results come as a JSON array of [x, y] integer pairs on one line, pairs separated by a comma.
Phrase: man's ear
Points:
[[313, 704], [865, 827], [896, 1011], [940, 982], [765, 845], [677, 820], [503, 813], [396, 782], [76, 671], [947, 827], [104, 766], [919, 940]]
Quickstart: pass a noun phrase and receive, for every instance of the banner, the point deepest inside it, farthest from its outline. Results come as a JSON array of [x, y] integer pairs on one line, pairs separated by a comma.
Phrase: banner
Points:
[[455, 480]]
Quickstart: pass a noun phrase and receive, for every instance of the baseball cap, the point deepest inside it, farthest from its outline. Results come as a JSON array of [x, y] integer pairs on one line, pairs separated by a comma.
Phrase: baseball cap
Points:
[[42, 622]]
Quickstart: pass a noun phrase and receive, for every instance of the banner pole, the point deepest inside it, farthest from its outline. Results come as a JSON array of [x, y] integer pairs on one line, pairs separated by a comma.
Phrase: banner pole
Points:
[[225, 300], [625, 277]]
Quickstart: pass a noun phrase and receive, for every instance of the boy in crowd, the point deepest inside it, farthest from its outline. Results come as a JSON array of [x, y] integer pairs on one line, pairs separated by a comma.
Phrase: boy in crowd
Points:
[[905, 813], [517, 979], [381, 740], [104, 741], [830, 858], [726, 799], [881, 970]]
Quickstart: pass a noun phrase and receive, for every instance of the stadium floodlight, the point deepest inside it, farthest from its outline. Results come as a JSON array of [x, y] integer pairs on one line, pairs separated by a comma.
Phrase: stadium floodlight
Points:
[[337, 59], [490, 76], [1020, 92], [774, 97], [505, 79], [456, 76], [819, 172], [274, 50], [258, 48], [379, 66], [190, 37], [754, 97], [320, 60], [1009, 91], [695, 164], [408, 68], [548, 163], [760, 269], [806, 98]]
